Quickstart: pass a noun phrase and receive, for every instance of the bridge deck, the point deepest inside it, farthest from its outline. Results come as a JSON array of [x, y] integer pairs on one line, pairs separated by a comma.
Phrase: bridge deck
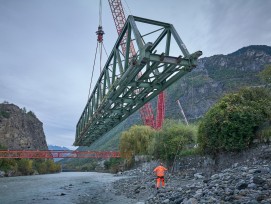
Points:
[[57, 154]]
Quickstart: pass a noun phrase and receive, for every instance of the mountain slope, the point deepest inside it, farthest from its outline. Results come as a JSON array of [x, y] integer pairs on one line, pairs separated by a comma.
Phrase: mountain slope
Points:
[[214, 77], [54, 147]]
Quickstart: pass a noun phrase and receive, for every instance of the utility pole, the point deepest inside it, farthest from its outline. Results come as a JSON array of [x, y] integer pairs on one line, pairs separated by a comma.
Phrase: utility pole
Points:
[[178, 101]]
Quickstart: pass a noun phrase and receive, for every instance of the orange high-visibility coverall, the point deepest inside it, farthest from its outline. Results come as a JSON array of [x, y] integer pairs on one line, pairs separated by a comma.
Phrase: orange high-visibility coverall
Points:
[[160, 172]]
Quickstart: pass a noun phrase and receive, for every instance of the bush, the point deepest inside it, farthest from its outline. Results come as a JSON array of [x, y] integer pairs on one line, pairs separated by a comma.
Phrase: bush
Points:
[[265, 74], [264, 132], [114, 165], [40, 166], [231, 124], [2, 147], [88, 167], [32, 114], [135, 141], [25, 166], [4, 113], [52, 167], [172, 140], [29, 166], [8, 164]]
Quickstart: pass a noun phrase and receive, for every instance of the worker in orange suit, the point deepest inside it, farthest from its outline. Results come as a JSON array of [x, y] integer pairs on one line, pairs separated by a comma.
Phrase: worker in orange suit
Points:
[[160, 173]]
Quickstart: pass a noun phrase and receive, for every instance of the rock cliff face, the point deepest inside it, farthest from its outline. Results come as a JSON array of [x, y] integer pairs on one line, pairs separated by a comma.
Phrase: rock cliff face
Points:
[[20, 130]]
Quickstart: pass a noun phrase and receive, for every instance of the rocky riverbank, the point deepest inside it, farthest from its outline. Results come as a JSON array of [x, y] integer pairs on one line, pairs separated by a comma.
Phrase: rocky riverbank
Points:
[[246, 181]]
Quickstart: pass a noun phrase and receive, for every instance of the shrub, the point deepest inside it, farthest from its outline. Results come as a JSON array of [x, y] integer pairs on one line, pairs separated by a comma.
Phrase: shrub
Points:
[[265, 74], [114, 165], [231, 124], [8, 164], [135, 141], [32, 114], [41, 167], [4, 113], [264, 132], [172, 140], [52, 167], [25, 166], [2, 147]]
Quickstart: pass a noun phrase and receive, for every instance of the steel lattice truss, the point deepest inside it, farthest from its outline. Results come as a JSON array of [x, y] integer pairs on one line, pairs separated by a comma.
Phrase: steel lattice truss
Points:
[[119, 91]]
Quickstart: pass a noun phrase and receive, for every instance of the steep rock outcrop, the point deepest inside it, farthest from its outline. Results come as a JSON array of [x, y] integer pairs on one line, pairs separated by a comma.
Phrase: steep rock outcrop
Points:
[[20, 130]]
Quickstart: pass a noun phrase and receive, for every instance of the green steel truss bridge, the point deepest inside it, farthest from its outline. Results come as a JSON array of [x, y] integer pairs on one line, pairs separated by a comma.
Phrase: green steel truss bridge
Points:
[[128, 82]]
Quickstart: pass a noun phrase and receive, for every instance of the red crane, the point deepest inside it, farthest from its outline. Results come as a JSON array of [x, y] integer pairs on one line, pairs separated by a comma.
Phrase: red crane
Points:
[[146, 111]]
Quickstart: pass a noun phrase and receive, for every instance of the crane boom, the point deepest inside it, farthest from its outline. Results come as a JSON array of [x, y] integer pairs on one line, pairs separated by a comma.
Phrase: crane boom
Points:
[[146, 111]]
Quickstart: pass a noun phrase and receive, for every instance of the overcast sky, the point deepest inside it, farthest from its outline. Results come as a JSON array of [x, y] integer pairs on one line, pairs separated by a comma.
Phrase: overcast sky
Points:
[[47, 47]]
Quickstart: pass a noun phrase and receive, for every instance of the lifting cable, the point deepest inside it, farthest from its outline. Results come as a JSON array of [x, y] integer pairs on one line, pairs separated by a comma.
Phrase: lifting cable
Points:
[[99, 46], [92, 71], [100, 34], [129, 11]]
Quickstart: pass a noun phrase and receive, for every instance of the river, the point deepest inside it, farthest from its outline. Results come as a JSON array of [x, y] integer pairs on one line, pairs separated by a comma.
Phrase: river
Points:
[[61, 188]]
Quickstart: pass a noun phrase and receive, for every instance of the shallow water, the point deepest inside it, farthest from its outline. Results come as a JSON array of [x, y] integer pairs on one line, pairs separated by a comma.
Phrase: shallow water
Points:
[[66, 187]]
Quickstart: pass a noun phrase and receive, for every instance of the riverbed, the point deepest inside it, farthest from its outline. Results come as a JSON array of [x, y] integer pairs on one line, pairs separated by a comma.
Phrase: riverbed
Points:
[[61, 188]]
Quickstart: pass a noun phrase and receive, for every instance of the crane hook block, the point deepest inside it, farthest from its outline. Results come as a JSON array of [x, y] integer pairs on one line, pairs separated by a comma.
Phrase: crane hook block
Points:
[[100, 34]]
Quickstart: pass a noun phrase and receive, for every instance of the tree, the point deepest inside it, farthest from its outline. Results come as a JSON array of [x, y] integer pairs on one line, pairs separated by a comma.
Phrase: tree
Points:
[[231, 124], [25, 166], [265, 74], [135, 141], [172, 139], [31, 113], [24, 110]]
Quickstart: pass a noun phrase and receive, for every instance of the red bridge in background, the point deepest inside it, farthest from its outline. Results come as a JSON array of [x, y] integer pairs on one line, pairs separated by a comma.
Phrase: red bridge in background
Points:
[[50, 154]]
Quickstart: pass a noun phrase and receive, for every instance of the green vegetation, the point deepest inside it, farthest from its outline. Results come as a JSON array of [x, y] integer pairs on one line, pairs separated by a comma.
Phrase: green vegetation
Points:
[[28, 166], [4, 114], [135, 141], [114, 165], [8, 165], [173, 140], [265, 75], [25, 166], [231, 124], [87, 164], [2, 147], [24, 110], [264, 132], [31, 113]]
